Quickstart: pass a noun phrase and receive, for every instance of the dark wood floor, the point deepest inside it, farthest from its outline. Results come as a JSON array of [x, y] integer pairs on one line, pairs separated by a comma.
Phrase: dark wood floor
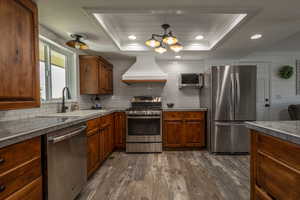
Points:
[[172, 175]]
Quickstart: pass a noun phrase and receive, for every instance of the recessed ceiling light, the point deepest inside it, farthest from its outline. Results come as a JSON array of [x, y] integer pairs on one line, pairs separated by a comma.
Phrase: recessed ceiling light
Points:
[[256, 36], [178, 57], [131, 37], [199, 37]]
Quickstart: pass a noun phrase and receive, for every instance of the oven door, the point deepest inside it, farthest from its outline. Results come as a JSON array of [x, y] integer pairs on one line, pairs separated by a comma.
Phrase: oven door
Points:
[[144, 129]]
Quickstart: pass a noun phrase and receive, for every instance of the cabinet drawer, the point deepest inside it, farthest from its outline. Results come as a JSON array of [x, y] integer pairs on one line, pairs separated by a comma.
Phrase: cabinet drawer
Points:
[[193, 115], [173, 115], [32, 191], [281, 150], [92, 124], [276, 178], [20, 177], [261, 195], [17, 154]]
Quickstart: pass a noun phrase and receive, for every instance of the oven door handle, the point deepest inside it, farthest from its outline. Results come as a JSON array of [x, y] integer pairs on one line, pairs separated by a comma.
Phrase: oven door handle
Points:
[[143, 117]]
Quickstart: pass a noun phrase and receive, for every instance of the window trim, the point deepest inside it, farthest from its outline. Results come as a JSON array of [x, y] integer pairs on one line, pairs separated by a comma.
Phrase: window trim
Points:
[[70, 69]]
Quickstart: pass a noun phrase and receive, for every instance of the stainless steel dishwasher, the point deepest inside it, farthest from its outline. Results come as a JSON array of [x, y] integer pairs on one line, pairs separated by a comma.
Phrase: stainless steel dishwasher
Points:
[[65, 167]]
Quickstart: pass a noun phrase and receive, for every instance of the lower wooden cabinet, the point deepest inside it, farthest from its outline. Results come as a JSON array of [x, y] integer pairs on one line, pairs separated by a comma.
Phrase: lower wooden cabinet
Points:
[[173, 133], [21, 171], [93, 150], [32, 191], [194, 133], [275, 168], [120, 130], [184, 129], [100, 141]]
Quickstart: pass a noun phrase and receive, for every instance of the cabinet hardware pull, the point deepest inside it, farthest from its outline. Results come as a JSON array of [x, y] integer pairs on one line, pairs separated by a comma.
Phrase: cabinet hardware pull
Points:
[[2, 160], [2, 188]]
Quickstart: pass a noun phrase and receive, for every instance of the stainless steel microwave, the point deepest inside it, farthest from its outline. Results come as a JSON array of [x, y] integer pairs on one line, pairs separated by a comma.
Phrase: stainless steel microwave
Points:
[[191, 80]]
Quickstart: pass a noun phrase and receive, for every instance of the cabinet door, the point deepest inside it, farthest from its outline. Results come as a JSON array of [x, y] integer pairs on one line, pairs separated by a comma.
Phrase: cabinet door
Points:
[[109, 79], [120, 130], [102, 78], [106, 142], [173, 134], [89, 71], [93, 151], [19, 68], [194, 133], [101, 146], [111, 138]]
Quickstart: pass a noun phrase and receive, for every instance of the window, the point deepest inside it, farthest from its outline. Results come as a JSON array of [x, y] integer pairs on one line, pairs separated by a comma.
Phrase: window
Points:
[[56, 71]]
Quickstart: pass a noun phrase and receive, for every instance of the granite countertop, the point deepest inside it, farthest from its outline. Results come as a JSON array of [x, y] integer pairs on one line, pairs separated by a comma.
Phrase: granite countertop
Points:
[[185, 109], [15, 131], [285, 130]]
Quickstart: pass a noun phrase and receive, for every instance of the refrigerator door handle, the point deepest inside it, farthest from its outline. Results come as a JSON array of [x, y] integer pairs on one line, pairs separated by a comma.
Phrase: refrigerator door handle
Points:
[[238, 92], [232, 95], [229, 124]]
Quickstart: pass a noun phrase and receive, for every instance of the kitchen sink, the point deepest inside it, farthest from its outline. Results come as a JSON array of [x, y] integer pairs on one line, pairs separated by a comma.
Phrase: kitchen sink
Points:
[[78, 113]]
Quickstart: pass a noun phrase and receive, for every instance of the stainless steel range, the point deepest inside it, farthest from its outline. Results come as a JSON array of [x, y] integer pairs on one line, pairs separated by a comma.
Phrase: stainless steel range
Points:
[[144, 125]]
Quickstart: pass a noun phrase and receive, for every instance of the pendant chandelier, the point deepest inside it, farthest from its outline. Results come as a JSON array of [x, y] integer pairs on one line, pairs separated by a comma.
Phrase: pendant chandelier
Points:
[[160, 42]]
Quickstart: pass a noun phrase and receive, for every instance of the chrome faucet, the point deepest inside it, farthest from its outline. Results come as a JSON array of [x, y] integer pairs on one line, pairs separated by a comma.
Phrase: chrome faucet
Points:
[[63, 106]]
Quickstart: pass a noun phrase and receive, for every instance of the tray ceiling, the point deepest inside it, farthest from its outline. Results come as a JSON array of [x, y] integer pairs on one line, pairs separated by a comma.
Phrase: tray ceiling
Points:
[[186, 25]]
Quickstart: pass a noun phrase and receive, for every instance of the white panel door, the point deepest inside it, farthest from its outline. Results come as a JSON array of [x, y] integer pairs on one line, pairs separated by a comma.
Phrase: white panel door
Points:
[[263, 90]]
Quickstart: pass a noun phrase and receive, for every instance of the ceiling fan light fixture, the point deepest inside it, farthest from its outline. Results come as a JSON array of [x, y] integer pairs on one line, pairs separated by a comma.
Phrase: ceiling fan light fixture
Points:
[[160, 49], [76, 43], [165, 39], [176, 47]]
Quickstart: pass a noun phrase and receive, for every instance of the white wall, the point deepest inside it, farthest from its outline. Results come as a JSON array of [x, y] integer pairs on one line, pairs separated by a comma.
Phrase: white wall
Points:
[[187, 97], [280, 91]]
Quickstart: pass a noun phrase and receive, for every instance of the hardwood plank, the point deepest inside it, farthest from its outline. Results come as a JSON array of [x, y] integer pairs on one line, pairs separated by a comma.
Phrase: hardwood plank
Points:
[[171, 175]]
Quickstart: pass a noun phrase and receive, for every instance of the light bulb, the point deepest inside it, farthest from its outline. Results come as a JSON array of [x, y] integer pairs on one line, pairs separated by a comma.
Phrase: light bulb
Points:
[[176, 47], [160, 49], [152, 43], [170, 40]]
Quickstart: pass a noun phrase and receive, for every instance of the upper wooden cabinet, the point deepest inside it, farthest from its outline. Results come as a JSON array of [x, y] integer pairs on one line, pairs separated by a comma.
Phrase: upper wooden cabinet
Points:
[[19, 68], [96, 75]]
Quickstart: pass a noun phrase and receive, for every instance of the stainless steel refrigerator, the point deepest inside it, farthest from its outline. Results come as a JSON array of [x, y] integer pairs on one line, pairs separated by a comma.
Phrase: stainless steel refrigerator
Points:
[[233, 101]]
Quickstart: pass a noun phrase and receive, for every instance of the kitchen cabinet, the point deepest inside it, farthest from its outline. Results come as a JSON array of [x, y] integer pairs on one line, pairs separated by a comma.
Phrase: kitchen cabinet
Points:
[[107, 128], [194, 133], [21, 171], [173, 133], [183, 129], [100, 142], [19, 69], [120, 130], [275, 168], [96, 75], [93, 152]]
